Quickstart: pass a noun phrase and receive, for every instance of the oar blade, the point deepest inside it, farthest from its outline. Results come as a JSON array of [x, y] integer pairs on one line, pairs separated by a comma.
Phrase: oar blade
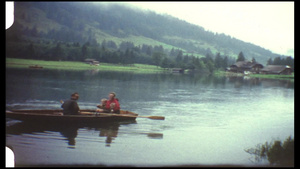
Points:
[[157, 117]]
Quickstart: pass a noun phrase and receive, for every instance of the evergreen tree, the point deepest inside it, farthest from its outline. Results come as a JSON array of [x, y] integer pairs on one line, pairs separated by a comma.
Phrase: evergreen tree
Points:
[[185, 59], [277, 61], [218, 61], [172, 52], [165, 63], [149, 50], [58, 53], [157, 57], [103, 45], [111, 44], [240, 57], [207, 58], [30, 51], [179, 56], [225, 62], [84, 51], [270, 61]]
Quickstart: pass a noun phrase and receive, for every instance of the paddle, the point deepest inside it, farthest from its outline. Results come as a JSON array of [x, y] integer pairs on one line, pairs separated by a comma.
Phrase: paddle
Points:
[[124, 115]]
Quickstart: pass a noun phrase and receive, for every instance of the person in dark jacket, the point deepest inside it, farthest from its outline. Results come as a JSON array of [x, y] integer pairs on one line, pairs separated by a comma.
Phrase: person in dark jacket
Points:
[[70, 107]]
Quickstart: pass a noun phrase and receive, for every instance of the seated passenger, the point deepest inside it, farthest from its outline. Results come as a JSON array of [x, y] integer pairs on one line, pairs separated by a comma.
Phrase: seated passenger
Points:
[[70, 107], [102, 106], [113, 103]]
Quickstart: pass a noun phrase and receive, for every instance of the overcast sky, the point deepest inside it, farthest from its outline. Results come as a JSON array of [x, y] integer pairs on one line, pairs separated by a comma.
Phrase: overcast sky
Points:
[[267, 24]]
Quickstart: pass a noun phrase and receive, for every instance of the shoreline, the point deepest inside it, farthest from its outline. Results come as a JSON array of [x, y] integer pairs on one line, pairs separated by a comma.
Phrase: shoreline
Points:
[[263, 76], [136, 68], [75, 65]]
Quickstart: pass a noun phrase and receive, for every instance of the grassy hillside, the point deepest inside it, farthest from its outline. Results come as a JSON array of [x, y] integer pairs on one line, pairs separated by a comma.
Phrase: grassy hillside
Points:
[[89, 22]]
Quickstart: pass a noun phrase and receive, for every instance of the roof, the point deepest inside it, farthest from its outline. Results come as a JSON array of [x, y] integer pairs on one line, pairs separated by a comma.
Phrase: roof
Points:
[[275, 68], [89, 60], [246, 64]]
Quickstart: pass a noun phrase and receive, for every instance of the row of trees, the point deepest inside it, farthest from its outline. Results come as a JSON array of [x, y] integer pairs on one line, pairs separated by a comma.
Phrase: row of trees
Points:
[[110, 52]]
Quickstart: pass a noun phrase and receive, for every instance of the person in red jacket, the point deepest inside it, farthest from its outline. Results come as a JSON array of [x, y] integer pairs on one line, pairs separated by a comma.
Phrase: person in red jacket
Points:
[[113, 103]]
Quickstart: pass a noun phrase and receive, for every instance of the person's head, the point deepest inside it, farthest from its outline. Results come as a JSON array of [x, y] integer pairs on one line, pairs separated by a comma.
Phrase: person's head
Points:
[[103, 101], [75, 96], [111, 95]]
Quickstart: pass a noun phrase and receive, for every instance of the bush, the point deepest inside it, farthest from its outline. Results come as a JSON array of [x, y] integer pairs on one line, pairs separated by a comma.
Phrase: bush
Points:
[[277, 153]]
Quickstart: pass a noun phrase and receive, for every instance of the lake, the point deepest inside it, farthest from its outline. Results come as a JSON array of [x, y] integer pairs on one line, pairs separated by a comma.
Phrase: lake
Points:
[[209, 120]]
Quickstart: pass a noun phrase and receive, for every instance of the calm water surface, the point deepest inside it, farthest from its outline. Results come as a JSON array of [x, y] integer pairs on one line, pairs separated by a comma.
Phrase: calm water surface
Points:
[[209, 120]]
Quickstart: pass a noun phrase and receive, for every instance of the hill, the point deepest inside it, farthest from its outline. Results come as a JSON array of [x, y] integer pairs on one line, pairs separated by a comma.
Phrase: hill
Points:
[[61, 27]]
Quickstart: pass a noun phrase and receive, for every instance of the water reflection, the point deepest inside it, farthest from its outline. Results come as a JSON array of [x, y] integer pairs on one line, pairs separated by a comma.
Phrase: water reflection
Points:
[[69, 132], [32, 77], [239, 82], [108, 131], [44, 88], [58, 82]]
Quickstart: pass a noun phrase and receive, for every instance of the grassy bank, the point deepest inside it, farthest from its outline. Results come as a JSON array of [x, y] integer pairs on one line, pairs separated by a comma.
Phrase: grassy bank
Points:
[[265, 76], [70, 65], [284, 77]]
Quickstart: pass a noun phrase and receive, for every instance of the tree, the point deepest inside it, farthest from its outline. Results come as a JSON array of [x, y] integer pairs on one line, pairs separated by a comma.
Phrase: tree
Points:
[[289, 61], [240, 57], [103, 45], [157, 57], [270, 61], [277, 61], [225, 62], [111, 44], [149, 50], [31, 51], [165, 63], [84, 51], [172, 52], [58, 53], [218, 61], [74, 54], [185, 58], [210, 66], [179, 56]]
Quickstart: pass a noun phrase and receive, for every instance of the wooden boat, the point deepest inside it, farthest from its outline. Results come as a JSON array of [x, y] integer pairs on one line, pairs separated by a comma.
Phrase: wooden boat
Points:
[[56, 116]]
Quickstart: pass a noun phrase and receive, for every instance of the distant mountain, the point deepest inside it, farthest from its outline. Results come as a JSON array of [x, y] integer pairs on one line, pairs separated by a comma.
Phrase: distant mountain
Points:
[[81, 22]]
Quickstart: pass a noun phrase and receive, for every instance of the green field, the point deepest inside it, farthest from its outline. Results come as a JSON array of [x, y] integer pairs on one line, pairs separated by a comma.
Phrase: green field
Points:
[[70, 65], [270, 76]]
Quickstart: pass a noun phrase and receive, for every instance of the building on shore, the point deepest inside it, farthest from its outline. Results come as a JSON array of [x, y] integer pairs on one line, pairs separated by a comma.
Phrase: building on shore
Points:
[[177, 70], [277, 69], [245, 66], [92, 62]]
